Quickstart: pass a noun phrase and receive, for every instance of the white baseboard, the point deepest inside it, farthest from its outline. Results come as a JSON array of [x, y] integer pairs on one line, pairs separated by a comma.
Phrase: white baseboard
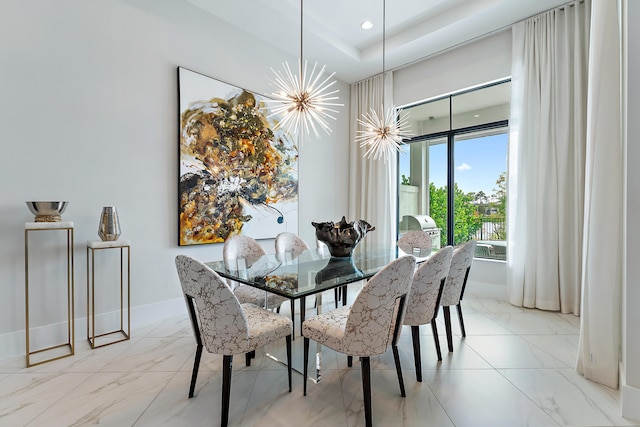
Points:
[[631, 403], [143, 315], [13, 344], [486, 290]]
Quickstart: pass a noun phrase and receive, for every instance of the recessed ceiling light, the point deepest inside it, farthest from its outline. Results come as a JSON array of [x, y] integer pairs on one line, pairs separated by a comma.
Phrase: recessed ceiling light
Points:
[[476, 115], [367, 25]]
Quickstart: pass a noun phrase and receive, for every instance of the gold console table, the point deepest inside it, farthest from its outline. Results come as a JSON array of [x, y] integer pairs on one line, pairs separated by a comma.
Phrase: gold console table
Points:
[[120, 334], [59, 351]]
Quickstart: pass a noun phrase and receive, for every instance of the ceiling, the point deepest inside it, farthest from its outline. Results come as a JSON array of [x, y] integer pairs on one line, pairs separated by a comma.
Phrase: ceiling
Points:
[[414, 29]]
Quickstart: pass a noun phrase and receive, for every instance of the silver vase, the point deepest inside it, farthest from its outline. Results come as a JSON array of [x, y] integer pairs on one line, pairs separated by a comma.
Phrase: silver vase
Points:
[[109, 227]]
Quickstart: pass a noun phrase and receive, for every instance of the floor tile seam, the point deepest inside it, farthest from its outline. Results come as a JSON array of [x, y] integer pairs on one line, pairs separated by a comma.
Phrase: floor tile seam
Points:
[[564, 365], [122, 349], [112, 370], [435, 396], [549, 334], [525, 395], [144, 371], [253, 387], [55, 402], [547, 353], [560, 331], [341, 375], [159, 392], [463, 342]]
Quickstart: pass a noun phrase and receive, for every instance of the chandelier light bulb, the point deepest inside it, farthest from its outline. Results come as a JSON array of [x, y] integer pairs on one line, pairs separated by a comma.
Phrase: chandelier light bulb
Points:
[[304, 102], [381, 134]]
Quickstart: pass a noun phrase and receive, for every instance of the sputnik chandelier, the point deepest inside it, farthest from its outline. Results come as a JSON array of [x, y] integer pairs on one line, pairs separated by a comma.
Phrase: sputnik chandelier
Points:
[[303, 102], [382, 132]]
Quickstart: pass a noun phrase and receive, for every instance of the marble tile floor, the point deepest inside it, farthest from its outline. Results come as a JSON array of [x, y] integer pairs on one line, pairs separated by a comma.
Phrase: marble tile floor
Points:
[[514, 368]]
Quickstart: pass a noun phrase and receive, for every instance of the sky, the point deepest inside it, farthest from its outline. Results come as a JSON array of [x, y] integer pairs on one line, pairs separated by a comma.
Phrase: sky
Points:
[[478, 163]]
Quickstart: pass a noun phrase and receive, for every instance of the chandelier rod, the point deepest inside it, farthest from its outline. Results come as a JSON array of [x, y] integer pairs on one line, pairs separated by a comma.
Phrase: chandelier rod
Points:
[[384, 42], [301, 28], [384, 37]]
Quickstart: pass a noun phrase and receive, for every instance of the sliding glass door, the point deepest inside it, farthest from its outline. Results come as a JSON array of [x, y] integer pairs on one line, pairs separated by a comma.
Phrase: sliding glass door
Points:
[[456, 175]]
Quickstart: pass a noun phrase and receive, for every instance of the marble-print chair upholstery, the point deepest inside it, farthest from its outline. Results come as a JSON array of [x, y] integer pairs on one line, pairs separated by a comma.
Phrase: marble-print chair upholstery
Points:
[[290, 243], [368, 327], [423, 301], [415, 242], [455, 285], [244, 247], [223, 325], [287, 242]]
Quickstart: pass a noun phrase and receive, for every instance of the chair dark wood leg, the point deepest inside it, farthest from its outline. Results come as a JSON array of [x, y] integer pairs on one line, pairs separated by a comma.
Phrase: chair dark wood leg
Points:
[[464, 333], [336, 295], [366, 388], [248, 356], [227, 362], [415, 335], [349, 361], [293, 319], [194, 374], [396, 358], [447, 325], [436, 339], [305, 369], [196, 333], [344, 295], [288, 338]]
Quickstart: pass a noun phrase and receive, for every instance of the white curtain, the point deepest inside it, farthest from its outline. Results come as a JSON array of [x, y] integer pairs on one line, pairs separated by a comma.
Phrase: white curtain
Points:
[[600, 327], [372, 183], [547, 159]]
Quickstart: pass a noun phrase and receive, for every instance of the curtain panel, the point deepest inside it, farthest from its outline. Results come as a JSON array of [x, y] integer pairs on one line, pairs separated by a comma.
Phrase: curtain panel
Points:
[[546, 166], [602, 266], [372, 183], [566, 177]]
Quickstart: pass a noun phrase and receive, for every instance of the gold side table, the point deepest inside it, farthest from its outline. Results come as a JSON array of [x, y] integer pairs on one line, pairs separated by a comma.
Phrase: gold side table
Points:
[[59, 351], [117, 335]]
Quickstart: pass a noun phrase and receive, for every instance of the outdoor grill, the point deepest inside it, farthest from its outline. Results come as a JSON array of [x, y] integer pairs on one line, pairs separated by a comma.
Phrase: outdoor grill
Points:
[[424, 223]]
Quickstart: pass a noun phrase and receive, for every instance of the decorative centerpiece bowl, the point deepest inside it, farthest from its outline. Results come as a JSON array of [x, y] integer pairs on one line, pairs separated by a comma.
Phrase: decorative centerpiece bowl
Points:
[[47, 211], [342, 238]]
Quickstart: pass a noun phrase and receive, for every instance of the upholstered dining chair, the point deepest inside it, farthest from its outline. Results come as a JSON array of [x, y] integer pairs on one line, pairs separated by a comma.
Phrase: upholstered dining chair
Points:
[[423, 301], [247, 248], [415, 242], [368, 327], [290, 243], [287, 242], [455, 285], [224, 326]]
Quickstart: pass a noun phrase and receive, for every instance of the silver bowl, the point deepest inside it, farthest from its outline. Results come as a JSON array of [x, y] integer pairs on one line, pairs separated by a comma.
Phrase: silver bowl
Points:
[[47, 211]]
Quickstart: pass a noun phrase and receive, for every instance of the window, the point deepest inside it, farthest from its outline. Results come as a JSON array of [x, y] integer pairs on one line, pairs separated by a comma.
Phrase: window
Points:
[[454, 169]]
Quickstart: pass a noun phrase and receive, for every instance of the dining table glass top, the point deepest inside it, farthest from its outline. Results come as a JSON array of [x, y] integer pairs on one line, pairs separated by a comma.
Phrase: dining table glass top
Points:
[[311, 272]]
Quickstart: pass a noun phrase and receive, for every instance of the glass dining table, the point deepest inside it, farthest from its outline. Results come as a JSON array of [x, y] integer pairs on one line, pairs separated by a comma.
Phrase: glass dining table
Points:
[[309, 274]]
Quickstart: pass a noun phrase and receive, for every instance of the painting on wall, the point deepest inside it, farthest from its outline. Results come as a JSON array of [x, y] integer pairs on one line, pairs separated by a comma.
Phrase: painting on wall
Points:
[[237, 174]]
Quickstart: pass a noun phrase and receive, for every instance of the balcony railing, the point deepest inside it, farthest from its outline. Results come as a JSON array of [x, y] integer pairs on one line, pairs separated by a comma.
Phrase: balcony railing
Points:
[[493, 228], [491, 238]]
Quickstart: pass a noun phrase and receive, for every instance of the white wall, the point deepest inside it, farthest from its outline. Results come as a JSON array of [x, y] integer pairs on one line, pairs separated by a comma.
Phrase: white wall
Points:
[[631, 344], [88, 114], [484, 60]]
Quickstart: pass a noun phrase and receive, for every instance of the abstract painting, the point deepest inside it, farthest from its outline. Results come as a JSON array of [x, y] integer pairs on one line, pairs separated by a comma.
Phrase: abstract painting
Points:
[[237, 175]]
